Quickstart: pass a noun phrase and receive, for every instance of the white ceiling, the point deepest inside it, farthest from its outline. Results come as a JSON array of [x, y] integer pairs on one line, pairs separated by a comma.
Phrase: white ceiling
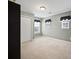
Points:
[[52, 7]]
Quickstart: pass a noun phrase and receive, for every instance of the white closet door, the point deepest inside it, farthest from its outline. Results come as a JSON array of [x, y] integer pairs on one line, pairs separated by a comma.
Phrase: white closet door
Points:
[[26, 29]]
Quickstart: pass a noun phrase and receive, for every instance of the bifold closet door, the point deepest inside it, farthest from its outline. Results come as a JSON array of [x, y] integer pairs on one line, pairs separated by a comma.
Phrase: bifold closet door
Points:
[[13, 30], [26, 29]]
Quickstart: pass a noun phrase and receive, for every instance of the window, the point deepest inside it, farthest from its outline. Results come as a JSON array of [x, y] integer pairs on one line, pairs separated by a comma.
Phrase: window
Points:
[[65, 24], [37, 27]]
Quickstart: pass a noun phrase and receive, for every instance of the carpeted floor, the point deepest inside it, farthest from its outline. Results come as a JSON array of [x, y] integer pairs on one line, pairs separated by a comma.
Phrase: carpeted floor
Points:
[[46, 48]]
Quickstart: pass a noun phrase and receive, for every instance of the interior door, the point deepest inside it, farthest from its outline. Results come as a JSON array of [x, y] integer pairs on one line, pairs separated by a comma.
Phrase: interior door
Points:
[[13, 30]]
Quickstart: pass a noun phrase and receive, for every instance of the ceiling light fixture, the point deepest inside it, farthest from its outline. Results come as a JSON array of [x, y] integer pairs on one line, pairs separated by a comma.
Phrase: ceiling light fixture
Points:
[[43, 8]]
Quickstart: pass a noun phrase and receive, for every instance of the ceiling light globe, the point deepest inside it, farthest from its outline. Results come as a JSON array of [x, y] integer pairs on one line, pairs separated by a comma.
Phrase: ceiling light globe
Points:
[[42, 8]]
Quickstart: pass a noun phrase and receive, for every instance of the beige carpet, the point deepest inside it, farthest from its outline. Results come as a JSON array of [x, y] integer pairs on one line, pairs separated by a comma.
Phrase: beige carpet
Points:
[[46, 48]]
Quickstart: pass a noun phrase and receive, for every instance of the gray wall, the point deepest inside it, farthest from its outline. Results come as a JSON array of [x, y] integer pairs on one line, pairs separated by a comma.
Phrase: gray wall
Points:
[[54, 29]]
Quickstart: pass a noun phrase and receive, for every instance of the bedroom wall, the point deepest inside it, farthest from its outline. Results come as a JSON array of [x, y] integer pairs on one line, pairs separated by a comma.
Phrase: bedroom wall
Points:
[[26, 27], [54, 29]]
